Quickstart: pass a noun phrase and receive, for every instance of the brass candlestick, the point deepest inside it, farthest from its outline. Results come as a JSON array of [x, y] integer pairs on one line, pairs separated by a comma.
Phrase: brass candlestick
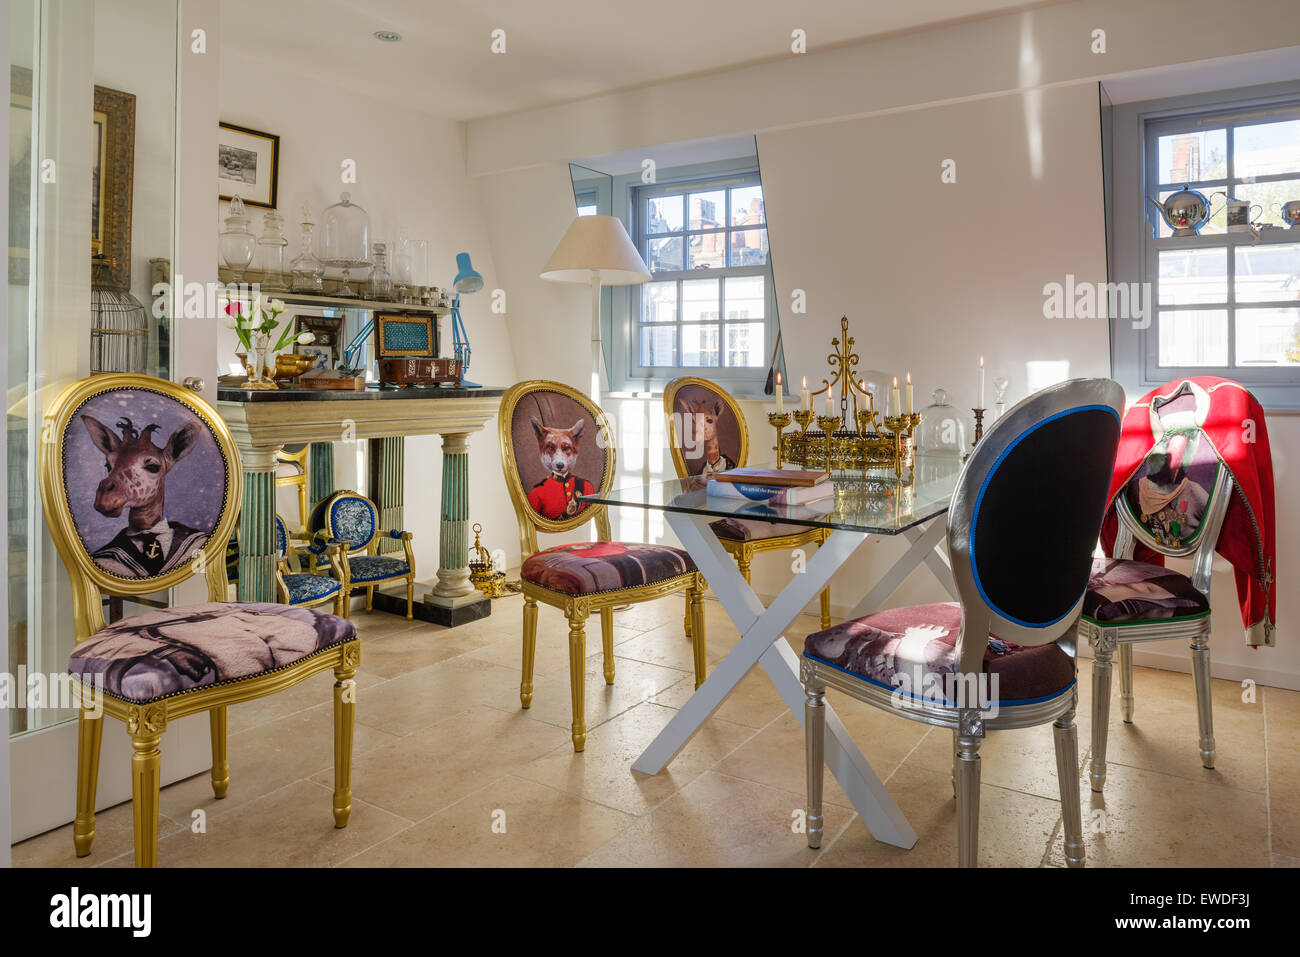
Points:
[[804, 417], [900, 428], [828, 424], [779, 421]]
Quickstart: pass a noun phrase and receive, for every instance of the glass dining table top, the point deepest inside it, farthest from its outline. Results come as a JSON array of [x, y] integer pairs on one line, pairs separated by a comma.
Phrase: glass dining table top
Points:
[[874, 501]]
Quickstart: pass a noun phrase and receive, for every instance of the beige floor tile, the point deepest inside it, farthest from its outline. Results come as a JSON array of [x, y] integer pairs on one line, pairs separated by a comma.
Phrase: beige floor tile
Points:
[[402, 652], [1284, 860], [312, 693], [717, 821], [427, 695], [755, 702], [114, 836], [665, 646], [634, 682], [427, 771], [1162, 820], [508, 823], [551, 656], [603, 772], [1014, 827]]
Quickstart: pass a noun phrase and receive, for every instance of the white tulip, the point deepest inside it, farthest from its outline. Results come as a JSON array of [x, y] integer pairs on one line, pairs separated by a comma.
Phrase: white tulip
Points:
[[306, 338], [275, 305]]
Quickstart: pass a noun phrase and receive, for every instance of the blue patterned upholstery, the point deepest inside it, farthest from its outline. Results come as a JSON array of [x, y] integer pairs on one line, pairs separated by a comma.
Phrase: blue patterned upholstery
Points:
[[353, 520], [281, 538], [372, 568], [304, 587]]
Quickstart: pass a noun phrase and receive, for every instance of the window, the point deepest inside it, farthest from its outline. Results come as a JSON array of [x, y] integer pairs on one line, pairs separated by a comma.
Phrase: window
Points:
[[1225, 302], [709, 303]]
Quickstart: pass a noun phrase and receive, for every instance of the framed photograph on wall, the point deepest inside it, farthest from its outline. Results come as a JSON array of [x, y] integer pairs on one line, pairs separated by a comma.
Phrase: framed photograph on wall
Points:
[[248, 165], [112, 176]]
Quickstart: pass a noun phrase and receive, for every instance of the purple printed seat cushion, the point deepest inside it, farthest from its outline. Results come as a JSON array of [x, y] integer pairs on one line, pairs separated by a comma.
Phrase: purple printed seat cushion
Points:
[[173, 650], [1123, 591], [754, 530], [585, 568], [912, 647]]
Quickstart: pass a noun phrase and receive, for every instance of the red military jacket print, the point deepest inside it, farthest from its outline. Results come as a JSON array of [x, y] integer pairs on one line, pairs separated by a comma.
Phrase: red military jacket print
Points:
[[554, 498]]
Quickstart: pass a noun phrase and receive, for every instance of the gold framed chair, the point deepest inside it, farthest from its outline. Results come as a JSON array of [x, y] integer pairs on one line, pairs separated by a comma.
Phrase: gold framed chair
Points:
[[556, 445], [305, 589], [719, 440], [123, 527], [352, 520], [290, 471]]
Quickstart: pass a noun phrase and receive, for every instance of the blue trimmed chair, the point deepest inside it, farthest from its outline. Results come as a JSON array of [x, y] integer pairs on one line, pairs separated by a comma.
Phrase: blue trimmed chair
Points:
[[352, 520], [1003, 657], [305, 589]]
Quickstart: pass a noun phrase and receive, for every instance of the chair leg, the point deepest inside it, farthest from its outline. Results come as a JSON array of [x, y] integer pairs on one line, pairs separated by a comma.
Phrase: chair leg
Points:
[[302, 505], [826, 607], [530, 649], [696, 598], [577, 678], [345, 707], [410, 598], [686, 618], [742, 562], [1067, 775], [370, 598], [220, 765], [1103, 651], [968, 800], [1126, 682], [90, 732], [607, 642], [955, 764], [146, 763], [1204, 715], [814, 722]]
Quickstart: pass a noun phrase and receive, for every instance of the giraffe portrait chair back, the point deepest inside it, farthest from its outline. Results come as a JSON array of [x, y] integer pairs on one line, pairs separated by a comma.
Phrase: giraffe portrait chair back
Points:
[[1173, 505], [141, 487], [352, 520], [706, 434], [557, 445], [1003, 656]]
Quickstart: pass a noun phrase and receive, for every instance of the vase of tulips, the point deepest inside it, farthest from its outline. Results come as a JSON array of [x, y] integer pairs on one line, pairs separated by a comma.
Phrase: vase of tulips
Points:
[[256, 325]]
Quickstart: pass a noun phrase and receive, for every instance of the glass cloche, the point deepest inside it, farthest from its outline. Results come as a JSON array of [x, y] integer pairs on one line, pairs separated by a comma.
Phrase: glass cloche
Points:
[[344, 240], [943, 427]]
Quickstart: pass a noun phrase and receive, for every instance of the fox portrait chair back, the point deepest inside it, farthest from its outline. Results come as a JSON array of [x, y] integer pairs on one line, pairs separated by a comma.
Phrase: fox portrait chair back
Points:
[[122, 528]]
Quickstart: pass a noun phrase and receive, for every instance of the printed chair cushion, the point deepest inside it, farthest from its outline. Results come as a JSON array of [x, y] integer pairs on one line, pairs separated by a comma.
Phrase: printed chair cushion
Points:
[[373, 568], [585, 568], [1126, 592], [169, 651], [903, 647], [304, 587], [754, 530]]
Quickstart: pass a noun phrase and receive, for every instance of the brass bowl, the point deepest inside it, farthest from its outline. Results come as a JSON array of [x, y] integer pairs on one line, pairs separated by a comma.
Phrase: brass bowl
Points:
[[290, 366]]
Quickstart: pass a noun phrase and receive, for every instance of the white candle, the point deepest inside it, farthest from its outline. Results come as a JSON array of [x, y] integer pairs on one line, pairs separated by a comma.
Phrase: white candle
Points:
[[830, 409], [894, 403], [805, 399], [909, 393], [780, 395], [981, 405]]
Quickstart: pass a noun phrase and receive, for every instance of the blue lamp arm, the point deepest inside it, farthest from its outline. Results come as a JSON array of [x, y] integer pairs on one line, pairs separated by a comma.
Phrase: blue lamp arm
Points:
[[359, 340]]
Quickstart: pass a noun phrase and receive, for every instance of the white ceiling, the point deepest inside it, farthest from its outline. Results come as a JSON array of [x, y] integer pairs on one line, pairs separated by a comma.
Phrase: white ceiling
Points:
[[556, 50]]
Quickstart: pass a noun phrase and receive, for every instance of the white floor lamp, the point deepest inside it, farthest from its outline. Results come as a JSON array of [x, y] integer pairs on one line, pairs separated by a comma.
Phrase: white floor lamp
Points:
[[596, 250]]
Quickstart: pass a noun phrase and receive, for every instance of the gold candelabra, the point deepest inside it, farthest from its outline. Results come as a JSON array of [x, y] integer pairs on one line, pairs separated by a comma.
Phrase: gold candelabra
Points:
[[854, 439]]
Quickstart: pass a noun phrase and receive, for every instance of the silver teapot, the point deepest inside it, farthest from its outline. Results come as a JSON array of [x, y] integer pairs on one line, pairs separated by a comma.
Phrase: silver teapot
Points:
[[1290, 213], [1185, 211]]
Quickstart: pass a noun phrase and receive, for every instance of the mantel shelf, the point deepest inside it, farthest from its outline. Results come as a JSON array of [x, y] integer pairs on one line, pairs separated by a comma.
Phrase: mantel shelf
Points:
[[252, 276]]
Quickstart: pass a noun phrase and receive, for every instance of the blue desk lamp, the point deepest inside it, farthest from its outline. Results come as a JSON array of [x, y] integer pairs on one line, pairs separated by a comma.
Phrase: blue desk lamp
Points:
[[466, 281]]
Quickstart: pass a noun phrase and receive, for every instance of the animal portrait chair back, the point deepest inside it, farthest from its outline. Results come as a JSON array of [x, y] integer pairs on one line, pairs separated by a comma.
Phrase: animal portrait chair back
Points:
[[141, 487]]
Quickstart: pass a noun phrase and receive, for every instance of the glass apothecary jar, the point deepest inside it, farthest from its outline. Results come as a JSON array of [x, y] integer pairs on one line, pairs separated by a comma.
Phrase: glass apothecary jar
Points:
[[270, 247], [380, 285], [344, 241], [237, 242]]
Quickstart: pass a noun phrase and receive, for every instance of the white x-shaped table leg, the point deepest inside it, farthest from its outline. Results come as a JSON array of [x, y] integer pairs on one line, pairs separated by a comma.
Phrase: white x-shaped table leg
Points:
[[761, 630]]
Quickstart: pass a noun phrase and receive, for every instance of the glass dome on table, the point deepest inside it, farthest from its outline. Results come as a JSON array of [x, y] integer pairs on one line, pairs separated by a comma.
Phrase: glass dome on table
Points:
[[344, 240]]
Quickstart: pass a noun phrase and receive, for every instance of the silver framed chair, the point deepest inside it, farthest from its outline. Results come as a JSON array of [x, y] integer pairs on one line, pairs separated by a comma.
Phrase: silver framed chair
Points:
[[1131, 601], [1003, 657]]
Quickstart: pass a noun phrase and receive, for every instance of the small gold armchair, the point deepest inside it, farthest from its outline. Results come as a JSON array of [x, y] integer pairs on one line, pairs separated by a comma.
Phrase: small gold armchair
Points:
[[707, 434], [305, 589], [556, 445], [291, 472], [141, 485], [352, 520]]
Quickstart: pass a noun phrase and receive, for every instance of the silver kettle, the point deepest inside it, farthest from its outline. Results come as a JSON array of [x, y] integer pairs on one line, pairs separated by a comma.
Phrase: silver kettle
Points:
[[1186, 211]]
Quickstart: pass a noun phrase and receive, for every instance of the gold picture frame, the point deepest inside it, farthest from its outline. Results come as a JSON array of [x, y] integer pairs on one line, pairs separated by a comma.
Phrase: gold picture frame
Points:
[[384, 349], [113, 181]]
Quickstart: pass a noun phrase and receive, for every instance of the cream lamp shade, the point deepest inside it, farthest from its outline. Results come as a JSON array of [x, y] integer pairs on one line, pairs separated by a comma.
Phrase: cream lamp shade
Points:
[[598, 243]]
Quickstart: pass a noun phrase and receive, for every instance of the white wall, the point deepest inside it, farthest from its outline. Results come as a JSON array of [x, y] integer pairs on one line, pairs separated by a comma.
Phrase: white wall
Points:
[[410, 173]]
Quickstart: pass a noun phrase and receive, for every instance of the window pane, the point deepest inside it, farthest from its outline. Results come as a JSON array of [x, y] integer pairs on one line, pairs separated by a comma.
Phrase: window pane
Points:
[[659, 302], [1268, 337], [1188, 157], [700, 345], [745, 344], [748, 247], [1193, 276], [707, 210], [1268, 273], [1266, 149], [1270, 197], [658, 345], [700, 301], [745, 297], [663, 214], [664, 255], [707, 251], [1197, 338], [747, 206], [1217, 223], [587, 210]]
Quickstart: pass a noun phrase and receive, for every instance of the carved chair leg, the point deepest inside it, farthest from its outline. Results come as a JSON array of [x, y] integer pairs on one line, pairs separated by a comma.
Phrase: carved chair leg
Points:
[[1204, 714], [742, 562], [90, 732], [345, 707], [146, 763], [686, 617], [220, 764], [410, 598], [1126, 682], [1103, 651], [814, 710], [698, 638], [826, 607], [1066, 736], [530, 650], [577, 677], [968, 799], [370, 598], [302, 505], [607, 642]]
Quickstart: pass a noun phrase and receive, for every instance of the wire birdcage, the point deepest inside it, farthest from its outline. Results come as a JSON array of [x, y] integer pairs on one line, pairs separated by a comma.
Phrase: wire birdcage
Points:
[[119, 325]]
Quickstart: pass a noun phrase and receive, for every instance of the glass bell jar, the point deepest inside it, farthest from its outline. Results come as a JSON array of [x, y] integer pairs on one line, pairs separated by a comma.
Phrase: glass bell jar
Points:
[[942, 439], [237, 242], [344, 241]]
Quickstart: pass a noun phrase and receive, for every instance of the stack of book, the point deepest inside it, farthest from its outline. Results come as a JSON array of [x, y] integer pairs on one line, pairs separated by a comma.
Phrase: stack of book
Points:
[[772, 486]]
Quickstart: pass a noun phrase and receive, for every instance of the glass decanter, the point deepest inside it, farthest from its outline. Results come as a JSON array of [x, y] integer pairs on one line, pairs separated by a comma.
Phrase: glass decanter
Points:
[[402, 259], [306, 270], [345, 241], [1000, 384], [237, 242], [380, 284], [270, 247]]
